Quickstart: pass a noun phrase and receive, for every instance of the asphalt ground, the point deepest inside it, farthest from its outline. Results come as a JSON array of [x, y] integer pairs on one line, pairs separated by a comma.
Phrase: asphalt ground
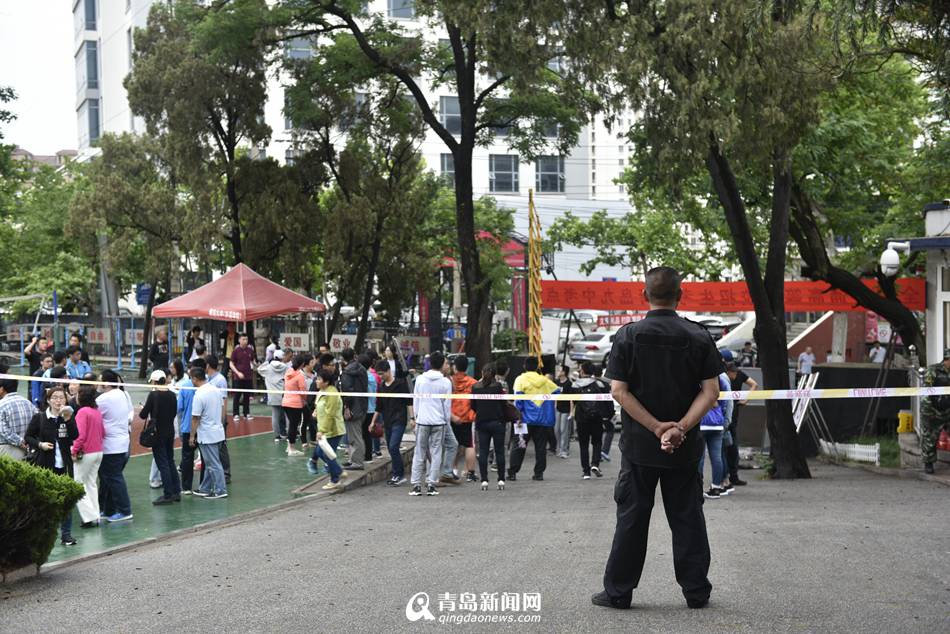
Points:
[[848, 551]]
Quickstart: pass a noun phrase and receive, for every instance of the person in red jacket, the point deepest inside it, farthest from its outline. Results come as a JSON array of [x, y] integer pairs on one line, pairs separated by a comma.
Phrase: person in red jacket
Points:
[[463, 416]]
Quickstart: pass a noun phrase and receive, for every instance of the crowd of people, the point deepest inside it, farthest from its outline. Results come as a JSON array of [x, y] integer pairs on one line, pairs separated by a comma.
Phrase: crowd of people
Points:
[[84, 431]]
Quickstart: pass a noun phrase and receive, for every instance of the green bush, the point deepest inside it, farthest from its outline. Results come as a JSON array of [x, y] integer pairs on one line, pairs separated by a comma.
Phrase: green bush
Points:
[[33, 502], [510, 339]]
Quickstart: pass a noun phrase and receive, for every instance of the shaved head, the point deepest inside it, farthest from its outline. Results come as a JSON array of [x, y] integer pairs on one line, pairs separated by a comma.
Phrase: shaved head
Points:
[[662, 286]]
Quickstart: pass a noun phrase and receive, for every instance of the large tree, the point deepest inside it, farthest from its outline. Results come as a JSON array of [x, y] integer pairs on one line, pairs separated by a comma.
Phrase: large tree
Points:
[[500, 61], [199, 81], [724, 85]]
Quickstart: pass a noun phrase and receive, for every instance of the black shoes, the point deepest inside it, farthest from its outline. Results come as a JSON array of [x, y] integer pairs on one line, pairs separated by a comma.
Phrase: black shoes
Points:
[[603, 600], [697, 604], [163, 501], [353, 467], [512, 476], [737, 482], [928, 467], [537, 476]]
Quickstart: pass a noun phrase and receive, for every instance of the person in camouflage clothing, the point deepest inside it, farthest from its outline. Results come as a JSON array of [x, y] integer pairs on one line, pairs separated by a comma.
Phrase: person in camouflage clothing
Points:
[[934, 411]]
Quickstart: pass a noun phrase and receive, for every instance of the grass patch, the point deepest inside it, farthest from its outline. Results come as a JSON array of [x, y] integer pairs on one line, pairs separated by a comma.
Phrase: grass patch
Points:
[[890, 449]]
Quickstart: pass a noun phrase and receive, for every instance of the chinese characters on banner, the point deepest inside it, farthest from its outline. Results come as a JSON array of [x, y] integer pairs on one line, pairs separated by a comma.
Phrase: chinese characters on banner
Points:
[[134, 336], [423, 315], [717, 296], [414, 346], [340, 342], [295, 340], [102, 336], [615, 321]]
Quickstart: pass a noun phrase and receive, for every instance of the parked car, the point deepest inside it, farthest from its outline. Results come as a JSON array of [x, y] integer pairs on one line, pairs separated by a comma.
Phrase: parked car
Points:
[[718, 327], [593, 347]]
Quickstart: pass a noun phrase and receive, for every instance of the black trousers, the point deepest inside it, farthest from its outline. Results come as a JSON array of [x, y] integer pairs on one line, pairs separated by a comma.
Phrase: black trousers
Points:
[[294, 418], [187, 464], [491, 432], [242, 399], [589, 432], [634, 493], [308, 426], [732, 451], [367, 438], [541, 436]]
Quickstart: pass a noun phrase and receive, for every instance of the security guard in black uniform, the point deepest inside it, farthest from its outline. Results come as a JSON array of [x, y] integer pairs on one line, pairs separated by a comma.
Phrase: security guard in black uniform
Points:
[[664, 373]]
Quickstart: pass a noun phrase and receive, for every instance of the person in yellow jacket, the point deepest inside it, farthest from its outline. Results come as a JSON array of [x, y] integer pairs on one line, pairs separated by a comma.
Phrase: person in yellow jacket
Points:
[[330, 427]]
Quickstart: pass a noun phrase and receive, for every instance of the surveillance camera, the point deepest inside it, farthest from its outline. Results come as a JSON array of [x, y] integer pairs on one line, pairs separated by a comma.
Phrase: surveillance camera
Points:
[[890, 262]]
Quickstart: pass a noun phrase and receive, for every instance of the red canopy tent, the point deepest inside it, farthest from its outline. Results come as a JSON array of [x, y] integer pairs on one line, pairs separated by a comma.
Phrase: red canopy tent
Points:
[[238, 295]]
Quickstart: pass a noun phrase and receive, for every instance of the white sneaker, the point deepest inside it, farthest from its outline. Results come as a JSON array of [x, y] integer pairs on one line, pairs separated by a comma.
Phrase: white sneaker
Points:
[[330, 486], [294, 452], [586, 477]]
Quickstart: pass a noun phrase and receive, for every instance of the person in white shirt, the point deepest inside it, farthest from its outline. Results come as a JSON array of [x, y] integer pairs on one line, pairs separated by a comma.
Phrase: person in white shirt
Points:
[[805, 362], [877, 352], [206, 409], [116, 410]]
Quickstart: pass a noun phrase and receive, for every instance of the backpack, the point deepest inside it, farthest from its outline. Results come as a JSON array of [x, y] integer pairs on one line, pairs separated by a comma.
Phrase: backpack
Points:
[[594, 410]]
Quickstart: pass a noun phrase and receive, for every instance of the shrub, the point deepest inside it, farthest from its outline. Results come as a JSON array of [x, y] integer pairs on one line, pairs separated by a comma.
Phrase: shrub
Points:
[[33, 503], [510, 339]]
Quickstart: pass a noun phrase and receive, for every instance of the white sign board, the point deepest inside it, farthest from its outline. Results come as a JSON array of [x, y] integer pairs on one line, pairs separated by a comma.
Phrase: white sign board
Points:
[[417, 346], [102, 336], [340, 342], [134, 336], [296, 341], [550, 334]]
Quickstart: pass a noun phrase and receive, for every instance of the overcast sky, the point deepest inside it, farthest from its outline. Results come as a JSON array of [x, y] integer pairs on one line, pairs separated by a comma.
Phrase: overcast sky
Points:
[[36, 59]]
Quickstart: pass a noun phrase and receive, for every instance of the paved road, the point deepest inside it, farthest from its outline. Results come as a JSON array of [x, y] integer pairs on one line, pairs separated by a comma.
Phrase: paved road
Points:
[[846, 552]]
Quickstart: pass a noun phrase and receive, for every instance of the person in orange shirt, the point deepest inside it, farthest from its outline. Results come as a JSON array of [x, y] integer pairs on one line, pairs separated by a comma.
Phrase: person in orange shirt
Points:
[[463, 416]]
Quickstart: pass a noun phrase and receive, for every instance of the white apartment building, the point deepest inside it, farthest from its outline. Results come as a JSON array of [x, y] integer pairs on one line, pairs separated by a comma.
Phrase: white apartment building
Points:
[[104, 32]]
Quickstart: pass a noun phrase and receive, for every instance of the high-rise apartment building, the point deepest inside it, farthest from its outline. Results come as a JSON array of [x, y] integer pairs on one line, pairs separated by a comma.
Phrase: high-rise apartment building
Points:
[[104, 32]]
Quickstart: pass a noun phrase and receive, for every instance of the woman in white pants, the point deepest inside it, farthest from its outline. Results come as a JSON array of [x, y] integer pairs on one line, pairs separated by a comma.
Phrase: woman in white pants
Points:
[[87, 454]]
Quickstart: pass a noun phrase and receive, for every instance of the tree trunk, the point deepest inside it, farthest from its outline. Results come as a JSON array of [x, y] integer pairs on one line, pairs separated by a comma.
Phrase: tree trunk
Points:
[[477, 289], [767, 298], [370, 283], [335, 319], [147, 329], [811, 245], [235, 236]]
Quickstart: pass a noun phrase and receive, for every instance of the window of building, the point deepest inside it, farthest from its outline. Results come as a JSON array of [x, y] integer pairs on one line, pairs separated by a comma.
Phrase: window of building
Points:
[[450, 114], [290, 156], [620, 149], [298, 48], [401, 9], [549, 173], [128, 5], [448, 168], [503, 173], [551, 130], [593, 137], [129, 45], [90, 14], [593, 190], [91, 110], [353, 113], [556, 64], [92, 65], [621, 188], [620, 162]]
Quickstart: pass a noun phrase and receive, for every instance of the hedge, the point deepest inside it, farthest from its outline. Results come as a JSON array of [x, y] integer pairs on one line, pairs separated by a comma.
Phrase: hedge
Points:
[[33, 503]]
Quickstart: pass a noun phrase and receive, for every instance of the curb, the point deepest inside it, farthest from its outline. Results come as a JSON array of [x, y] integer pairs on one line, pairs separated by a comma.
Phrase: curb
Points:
[[375, 473], [903, 474], [302, 495]]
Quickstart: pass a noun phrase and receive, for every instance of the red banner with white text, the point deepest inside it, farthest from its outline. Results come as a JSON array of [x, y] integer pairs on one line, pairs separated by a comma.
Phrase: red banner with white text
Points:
[[718, 297]]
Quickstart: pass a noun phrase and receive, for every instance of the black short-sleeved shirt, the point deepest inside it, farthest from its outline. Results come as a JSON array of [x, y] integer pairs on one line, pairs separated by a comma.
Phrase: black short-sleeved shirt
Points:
[[161, 406], [564, 407], [393, 410], [663, 359], [736, 384]]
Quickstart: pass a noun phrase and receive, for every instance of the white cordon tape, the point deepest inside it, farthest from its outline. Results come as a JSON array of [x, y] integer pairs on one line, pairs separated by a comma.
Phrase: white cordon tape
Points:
[[756, 395]]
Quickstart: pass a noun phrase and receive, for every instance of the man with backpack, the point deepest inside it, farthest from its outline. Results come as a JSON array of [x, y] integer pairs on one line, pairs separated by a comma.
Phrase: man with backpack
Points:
[[590, 418]]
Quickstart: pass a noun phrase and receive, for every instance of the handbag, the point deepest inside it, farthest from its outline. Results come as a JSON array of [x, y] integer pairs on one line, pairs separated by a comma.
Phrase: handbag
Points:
[[149, 435], [512, 413], [376, 430]]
